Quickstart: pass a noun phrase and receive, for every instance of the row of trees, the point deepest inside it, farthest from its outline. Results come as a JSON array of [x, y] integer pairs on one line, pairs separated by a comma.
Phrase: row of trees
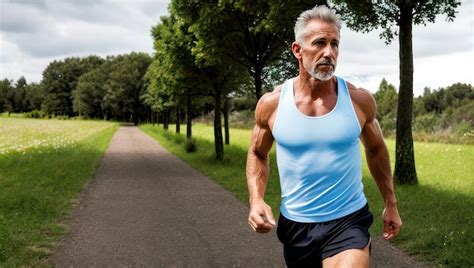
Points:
[[445, 110], [20, 97], [90, 87]]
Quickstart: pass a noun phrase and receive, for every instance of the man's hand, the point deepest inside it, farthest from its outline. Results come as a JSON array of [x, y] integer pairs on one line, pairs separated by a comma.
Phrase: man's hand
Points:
[[391, 222], [261, 217]]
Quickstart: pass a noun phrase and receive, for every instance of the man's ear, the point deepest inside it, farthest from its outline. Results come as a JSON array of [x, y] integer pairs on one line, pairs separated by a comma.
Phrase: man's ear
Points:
[[296, 49]]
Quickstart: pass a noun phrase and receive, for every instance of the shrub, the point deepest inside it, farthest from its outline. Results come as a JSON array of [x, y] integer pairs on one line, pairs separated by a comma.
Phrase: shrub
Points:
[[191, 145], [463, 128], [425, 123], [35, 114], [242, 119]]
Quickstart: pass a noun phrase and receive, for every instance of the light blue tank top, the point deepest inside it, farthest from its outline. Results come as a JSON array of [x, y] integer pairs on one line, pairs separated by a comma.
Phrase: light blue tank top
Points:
[[318, 159]]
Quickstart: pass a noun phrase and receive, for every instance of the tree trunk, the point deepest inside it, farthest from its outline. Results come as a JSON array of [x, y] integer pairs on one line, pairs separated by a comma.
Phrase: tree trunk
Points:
[[219, 146], [257, 76], [226, 120], [178, 121], [166, 119], [189, 132], [405, 171]]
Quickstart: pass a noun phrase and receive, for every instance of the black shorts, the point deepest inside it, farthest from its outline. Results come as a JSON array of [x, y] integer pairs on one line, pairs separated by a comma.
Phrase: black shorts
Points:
[[307, 244]]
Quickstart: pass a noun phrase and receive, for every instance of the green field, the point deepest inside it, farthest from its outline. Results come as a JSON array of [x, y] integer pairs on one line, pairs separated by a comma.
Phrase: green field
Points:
[[437, 214], [44, 164]]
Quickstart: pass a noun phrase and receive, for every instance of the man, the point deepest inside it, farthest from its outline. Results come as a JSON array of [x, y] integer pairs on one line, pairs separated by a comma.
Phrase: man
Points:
[[316, 120]]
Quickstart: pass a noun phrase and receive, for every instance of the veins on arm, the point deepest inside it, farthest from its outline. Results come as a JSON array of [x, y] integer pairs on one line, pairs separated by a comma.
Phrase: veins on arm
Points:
[[262, 140]]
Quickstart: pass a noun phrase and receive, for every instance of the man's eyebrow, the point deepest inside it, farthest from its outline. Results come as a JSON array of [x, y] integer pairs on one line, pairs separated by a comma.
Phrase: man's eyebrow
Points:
[[319, 39]]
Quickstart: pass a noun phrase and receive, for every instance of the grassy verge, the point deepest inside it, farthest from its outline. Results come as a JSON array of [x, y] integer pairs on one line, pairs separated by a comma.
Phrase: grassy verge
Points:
[[437, 213], [37, 189]]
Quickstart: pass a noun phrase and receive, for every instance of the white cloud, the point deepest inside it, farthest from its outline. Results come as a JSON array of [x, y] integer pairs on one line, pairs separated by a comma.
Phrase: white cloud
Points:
[[33, 33]]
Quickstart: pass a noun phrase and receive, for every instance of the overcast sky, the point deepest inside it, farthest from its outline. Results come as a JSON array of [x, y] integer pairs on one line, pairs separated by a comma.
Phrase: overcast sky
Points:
[[35, 32]]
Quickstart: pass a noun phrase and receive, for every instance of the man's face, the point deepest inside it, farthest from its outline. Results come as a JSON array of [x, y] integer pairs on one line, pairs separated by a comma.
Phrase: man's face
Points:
[[320, 49]]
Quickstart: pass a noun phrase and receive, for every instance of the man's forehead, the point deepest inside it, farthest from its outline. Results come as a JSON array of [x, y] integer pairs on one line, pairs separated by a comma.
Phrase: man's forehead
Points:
[[318, 27]]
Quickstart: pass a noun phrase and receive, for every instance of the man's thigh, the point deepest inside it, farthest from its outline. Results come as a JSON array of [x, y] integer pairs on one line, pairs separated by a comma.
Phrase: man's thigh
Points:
[[351, 258]]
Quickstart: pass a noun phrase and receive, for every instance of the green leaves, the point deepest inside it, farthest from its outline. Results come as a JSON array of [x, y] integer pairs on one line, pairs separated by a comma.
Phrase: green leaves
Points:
[[366, 16]]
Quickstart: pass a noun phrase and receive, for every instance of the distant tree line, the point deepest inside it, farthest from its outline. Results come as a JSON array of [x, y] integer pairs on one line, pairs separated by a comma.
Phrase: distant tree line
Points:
[[448, 110], [91, 87]]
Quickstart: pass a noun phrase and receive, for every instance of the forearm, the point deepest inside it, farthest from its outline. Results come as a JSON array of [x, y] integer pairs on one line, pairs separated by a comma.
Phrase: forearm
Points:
[[257, 175], [379, 165]]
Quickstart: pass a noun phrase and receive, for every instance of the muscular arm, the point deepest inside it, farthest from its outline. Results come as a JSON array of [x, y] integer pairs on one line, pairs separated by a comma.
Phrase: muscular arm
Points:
[[260, 214], [379, 165]]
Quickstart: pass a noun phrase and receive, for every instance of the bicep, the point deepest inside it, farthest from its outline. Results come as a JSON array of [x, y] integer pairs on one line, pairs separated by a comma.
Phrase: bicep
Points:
[[371, 135], [262, 140], [262, 137]]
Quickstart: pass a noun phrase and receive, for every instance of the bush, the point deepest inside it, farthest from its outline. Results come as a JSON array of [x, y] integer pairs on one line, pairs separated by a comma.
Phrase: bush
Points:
[[167, 134], [242, 119], [35, 114], [425, 123], [191, 145], [178, 138], [463, 128], [62, 117], [388, 125], [237, 119]]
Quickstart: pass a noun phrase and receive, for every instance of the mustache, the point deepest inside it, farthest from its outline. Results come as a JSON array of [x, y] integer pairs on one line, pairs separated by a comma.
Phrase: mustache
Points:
[[326, 62]]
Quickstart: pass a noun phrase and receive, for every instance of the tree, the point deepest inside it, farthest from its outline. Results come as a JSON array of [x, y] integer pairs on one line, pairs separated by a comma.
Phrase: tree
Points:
[[34, 96], [398, 17], [60, 80], [386, 98], [458, 93], [220, 71], [253, 34], [20, 103], [434, 101], [284, 67], [125, 86], [6, 95], [163, 92], [175, 81], [90, 92]]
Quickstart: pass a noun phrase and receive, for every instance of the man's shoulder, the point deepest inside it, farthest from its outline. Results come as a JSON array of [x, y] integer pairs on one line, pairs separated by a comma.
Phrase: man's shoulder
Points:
[[267, 105], [362, 98], [270, 99]]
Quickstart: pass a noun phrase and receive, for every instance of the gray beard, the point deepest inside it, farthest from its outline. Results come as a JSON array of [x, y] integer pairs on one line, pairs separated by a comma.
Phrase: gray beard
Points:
[[321, 76]]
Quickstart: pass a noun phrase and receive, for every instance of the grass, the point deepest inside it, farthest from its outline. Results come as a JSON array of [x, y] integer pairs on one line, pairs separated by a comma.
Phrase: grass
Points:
[[437, 214], [44, 164]]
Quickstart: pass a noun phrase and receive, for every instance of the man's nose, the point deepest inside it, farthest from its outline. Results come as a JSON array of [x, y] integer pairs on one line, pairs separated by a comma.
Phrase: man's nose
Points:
[[329, 52]]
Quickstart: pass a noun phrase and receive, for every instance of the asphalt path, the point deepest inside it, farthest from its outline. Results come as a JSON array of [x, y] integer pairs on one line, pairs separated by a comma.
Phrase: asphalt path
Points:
[[147, 208]]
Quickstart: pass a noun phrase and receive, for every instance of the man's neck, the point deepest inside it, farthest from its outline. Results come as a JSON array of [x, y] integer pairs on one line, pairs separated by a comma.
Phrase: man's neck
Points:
[[308, 85]]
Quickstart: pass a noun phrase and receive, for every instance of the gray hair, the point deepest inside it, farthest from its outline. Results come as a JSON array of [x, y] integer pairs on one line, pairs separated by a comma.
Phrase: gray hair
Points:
[[322, 13]]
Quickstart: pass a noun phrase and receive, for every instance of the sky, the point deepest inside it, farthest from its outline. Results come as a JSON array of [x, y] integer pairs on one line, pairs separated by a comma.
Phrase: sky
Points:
[[33, 33]]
